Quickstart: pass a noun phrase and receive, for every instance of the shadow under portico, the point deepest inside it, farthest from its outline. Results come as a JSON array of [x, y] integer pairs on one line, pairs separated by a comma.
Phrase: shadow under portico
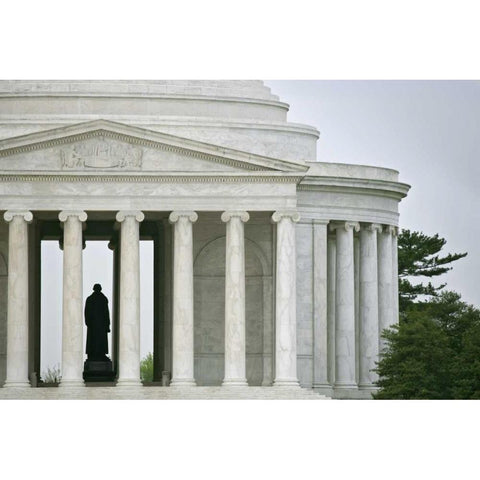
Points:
[[101, 226]]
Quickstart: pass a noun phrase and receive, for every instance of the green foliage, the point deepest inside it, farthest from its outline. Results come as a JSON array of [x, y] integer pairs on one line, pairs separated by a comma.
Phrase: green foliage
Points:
[[434, 353], [52, 375], [419, 256], [146, 368]]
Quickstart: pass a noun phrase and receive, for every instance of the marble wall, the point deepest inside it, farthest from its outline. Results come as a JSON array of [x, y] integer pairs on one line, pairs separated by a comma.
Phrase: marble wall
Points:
[[209, 298]]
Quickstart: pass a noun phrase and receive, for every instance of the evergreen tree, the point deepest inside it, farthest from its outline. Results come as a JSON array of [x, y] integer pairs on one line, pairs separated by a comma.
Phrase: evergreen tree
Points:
[[434, 353], [419, 256]]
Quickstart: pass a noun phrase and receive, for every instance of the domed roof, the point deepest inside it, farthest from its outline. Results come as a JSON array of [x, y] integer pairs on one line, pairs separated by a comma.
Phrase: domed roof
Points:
[[238, 114], [254, 89]]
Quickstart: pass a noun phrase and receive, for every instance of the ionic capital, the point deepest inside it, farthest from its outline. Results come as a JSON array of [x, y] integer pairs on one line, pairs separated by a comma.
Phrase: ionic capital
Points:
[[372, 227], [318, 221], [243, 215], [355, 226], [190, 215], [390, 230], [80, 214], [25, 214], [292, 215], [393, 230], [123, 214]]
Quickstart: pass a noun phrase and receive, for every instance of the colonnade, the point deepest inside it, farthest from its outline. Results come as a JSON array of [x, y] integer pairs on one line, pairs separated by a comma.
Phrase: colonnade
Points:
[[362, 300], [129, 311], [354, 298]]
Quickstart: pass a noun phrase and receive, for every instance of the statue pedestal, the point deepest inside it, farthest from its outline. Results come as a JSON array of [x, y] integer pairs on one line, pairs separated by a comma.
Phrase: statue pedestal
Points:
[[98, 370]]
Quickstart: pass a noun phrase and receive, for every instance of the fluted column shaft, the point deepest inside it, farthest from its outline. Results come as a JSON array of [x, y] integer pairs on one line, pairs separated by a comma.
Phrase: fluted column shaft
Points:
[[17, 302], [129, 319], [183, 335], [235, 361], [385, 286], [395, 273], [331, 284], [72, 324], [320, 327], [285, 304], [368, 305], [345, 306]]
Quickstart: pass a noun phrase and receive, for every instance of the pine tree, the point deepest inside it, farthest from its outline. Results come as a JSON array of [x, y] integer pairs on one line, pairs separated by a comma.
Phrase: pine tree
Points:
[[434, 353], [419, 256]]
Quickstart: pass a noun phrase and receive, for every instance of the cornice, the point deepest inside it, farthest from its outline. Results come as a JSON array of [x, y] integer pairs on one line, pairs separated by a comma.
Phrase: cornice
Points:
[[385, 188], [149, 96], [152, 178], [159, 121]]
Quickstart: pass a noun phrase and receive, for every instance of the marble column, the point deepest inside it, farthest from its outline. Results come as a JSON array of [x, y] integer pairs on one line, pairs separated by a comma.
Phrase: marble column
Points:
[[285, 300], [368, 305], [72, 324], [320, 328], [345, 306], [235, 361], [183, 338], [395, 273], [385, 287], [129, 324], [17, 302], [331, 260]]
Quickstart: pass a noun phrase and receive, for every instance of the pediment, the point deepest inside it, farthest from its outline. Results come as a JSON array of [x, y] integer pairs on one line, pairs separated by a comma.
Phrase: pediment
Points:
[[109, 146]]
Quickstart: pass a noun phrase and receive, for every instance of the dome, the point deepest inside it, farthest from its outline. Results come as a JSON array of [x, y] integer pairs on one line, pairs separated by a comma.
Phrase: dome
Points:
[[239, 114]]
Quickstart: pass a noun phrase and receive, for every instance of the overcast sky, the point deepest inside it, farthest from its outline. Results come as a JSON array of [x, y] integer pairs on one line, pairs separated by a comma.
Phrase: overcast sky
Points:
[[428, 130]]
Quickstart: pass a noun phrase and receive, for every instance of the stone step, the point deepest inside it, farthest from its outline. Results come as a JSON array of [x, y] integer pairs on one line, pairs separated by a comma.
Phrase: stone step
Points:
[[161, 393]]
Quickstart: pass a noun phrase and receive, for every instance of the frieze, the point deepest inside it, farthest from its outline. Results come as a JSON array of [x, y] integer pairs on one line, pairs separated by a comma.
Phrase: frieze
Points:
[[99, 153]]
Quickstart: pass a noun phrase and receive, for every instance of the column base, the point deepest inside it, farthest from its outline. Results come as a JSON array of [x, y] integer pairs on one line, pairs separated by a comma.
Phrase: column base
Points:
[[129, 382], [368, 386], [366, 391], [8, 384], [71, 384], [323, 388], [346, 391], [183, 382], [286, 382], [235, 382], [346, 386]]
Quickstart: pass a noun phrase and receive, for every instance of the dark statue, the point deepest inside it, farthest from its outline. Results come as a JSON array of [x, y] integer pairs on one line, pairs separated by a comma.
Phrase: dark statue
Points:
[[98, 367], [97, 319]]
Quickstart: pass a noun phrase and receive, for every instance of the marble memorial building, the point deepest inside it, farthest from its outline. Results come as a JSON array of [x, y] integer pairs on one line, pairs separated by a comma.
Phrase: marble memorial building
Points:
[[272, 270]]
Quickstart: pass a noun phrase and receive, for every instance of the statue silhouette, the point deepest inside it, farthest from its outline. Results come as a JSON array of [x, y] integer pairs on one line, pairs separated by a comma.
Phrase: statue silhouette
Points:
[[97, 319]]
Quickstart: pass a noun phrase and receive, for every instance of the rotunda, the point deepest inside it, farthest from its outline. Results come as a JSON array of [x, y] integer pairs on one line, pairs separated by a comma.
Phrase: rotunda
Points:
[[272, 271]]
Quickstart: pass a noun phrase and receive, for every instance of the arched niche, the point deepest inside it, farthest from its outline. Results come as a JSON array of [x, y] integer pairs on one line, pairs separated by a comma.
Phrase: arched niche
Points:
[[209, 314]]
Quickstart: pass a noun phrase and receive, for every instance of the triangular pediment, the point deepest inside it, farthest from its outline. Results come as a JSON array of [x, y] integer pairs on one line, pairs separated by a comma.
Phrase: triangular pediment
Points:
[[103, 145]]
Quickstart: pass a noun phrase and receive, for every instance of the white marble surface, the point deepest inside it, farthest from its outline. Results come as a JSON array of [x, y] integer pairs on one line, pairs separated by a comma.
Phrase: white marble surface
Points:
[[72, 313], [395, 299], [331, 314], [345, 306], [18, 305], [209, 299], [368, 320], [320, 302], [285, 295], [182, 322], [208, 146], [385, 286], [129, 328], [235, 360]]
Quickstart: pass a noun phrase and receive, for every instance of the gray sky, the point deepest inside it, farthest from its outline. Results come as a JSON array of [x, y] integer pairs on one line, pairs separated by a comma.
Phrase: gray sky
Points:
[[428, 130]]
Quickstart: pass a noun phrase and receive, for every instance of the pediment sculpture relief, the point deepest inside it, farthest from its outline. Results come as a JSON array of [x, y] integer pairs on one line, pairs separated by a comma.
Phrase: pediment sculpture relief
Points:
[[101, 153]]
